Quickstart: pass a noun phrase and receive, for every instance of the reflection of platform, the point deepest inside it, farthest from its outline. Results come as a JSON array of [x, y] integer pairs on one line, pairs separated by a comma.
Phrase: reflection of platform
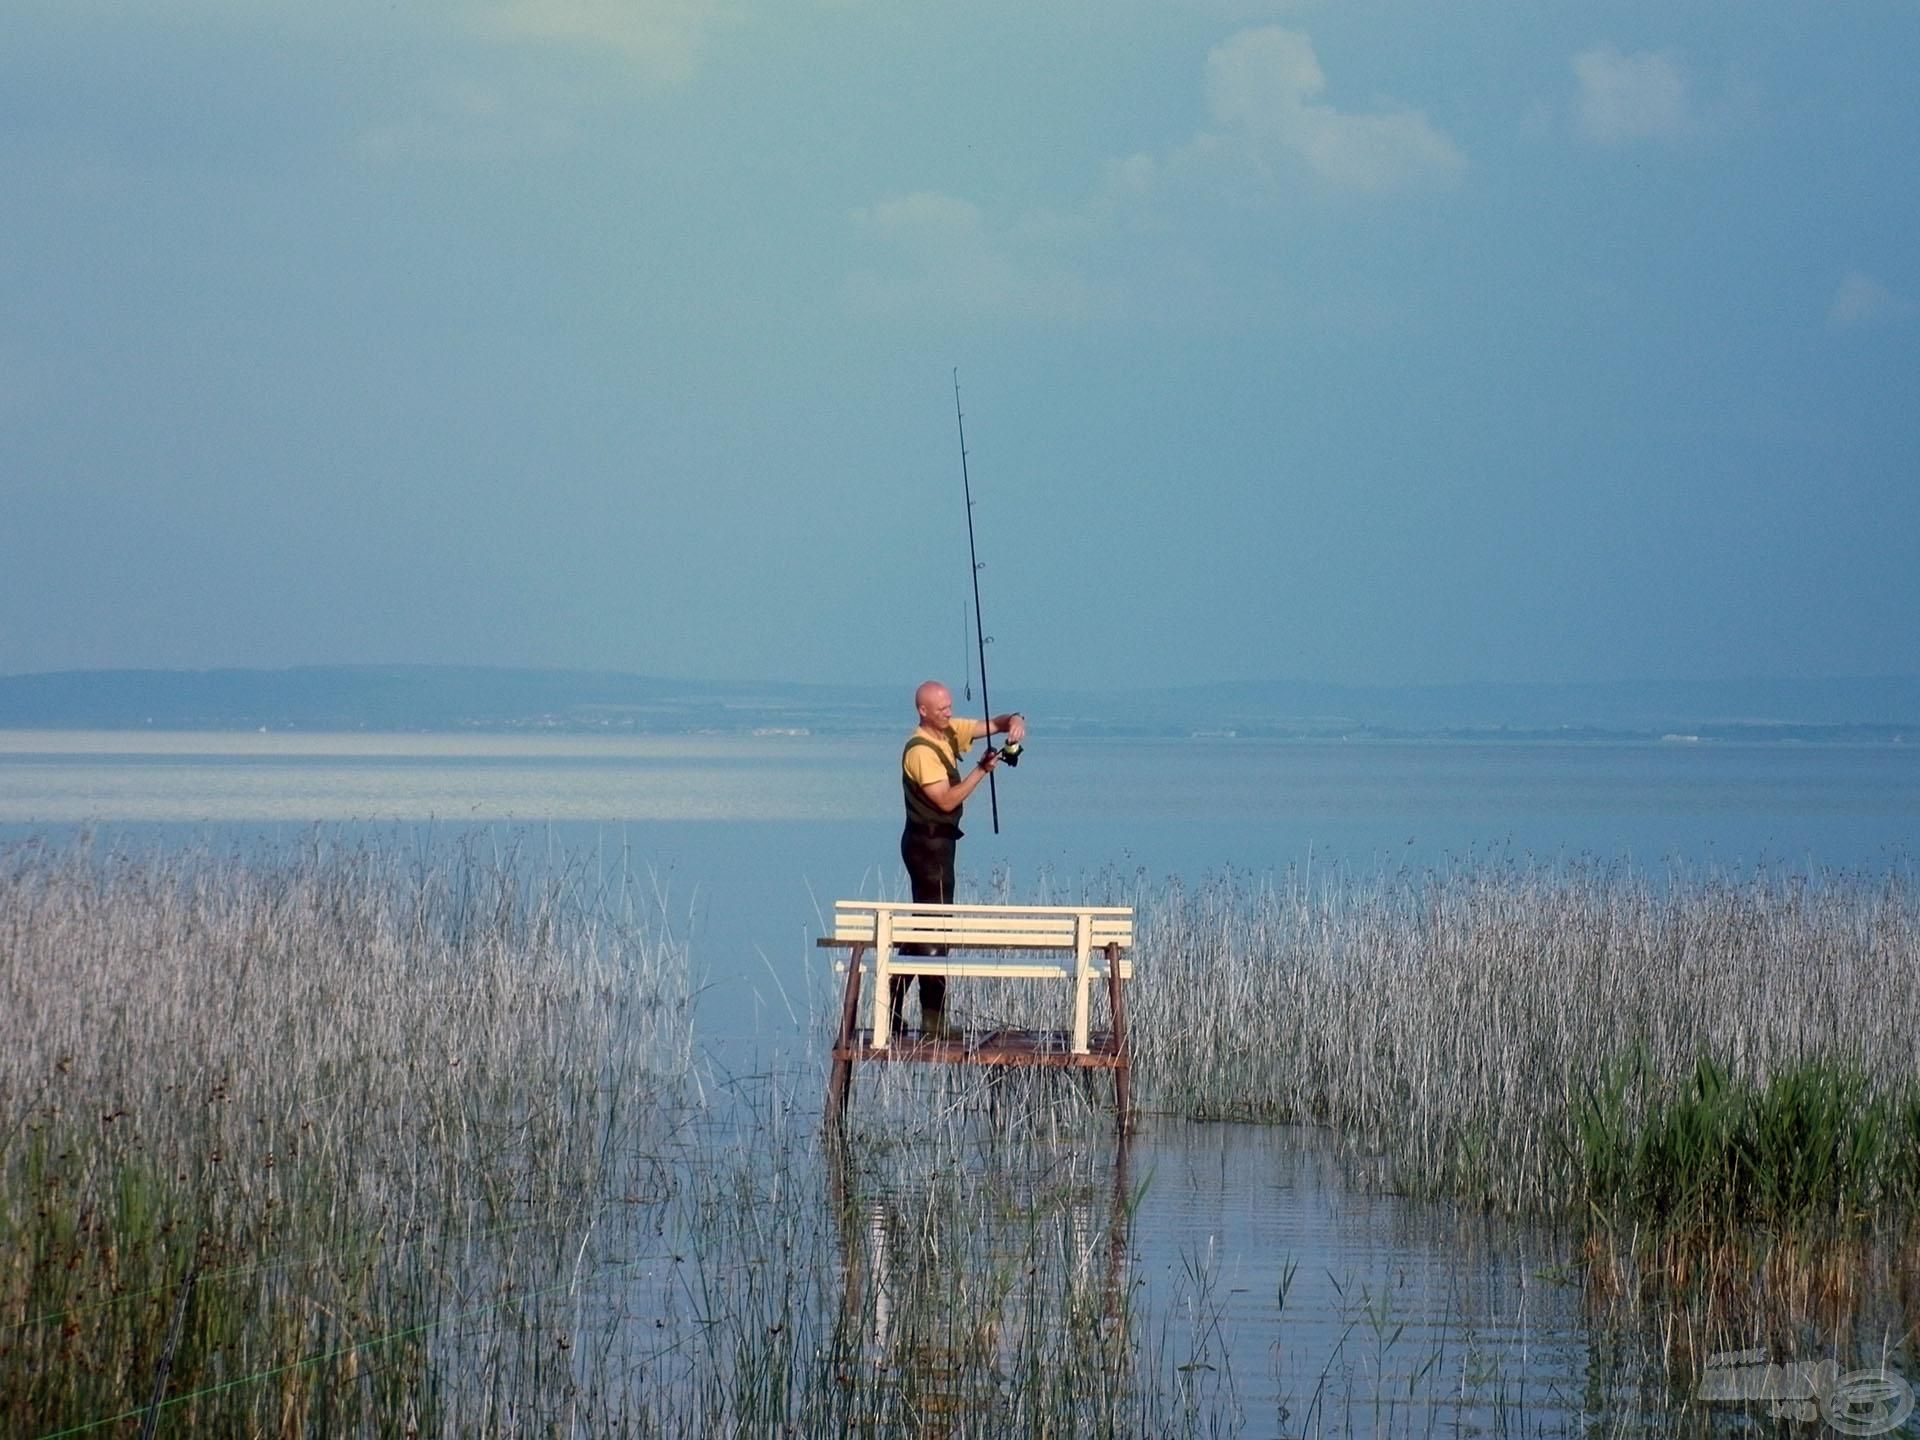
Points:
[[1074, 945], [964, 1293], [991, 1047]]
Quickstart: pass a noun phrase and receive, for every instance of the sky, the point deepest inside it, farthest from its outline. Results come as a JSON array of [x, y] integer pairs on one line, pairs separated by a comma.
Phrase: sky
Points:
[[1370, 343]]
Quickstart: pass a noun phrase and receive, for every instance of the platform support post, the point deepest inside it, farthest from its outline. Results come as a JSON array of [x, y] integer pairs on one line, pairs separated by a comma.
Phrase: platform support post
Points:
[[840, 1070]]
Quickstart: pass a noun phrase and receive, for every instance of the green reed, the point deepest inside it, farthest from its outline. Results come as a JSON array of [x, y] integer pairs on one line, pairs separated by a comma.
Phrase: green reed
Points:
[[1815, 1144]]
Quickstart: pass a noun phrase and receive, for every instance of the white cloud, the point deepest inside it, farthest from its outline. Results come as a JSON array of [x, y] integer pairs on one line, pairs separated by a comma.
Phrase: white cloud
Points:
[[1262, 89], [943, 258], [1270, 135], [661, 38], [1862, 301], [531, 98], [1623, 98], [464, 120]]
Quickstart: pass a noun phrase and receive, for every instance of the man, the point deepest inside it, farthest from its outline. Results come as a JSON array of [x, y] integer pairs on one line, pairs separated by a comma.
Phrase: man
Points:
[[935, 790]]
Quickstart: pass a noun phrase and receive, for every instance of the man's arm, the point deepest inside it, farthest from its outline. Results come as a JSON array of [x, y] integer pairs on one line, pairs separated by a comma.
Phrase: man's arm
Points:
[[1013, 725], [950, 795]]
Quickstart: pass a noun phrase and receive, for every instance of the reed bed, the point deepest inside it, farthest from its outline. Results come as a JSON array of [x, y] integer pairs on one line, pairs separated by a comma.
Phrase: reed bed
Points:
[[342, 1140], [351, 1140], [1535, 1038], [291, 1137]]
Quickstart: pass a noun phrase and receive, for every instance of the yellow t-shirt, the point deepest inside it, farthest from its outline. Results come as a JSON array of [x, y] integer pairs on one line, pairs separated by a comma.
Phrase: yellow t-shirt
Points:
[[923, 767]]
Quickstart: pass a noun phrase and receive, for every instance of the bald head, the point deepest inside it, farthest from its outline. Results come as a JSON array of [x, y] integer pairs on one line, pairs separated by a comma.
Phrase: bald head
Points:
[[935, 704]]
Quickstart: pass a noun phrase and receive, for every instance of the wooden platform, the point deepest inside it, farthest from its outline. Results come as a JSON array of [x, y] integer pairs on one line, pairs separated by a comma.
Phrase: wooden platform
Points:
[[1070, 945]]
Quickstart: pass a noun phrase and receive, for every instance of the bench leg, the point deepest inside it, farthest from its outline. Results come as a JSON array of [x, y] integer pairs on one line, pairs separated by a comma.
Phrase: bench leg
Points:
[[1122, 1047], [883, 986], [840, 1068]]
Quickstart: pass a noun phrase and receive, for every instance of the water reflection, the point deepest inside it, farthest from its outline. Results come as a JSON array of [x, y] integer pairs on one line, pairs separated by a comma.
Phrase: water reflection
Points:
[[1333, 1305], [956, 1269], [977, 1299]]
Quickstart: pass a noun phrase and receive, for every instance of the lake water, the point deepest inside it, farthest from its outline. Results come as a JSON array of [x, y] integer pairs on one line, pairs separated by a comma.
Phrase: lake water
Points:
[[749, 840]]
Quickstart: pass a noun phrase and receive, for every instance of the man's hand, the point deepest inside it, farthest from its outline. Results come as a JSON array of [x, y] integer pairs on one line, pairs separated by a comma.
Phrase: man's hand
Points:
[[989, 760]]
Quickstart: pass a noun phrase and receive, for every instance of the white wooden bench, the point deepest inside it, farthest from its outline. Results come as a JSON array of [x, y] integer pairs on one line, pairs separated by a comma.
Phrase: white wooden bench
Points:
[[1071, 944]]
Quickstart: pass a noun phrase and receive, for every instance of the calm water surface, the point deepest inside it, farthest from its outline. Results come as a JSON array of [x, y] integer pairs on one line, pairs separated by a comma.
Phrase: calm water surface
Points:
[[1314, 1282]]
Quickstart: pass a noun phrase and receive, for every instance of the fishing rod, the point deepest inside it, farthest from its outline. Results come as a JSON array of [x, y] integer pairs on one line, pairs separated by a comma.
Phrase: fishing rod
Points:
[[1012, 752]]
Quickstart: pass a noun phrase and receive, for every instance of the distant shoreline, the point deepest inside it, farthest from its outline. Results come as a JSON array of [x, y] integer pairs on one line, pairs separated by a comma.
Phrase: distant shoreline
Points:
[[447, 700], [539, 738]]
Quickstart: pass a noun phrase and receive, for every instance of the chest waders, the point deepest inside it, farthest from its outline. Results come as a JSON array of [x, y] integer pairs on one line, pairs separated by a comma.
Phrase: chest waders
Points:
[[927, 847]]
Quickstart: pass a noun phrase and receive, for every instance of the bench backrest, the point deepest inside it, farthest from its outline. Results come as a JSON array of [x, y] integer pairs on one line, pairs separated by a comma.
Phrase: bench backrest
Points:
[[985, 927]]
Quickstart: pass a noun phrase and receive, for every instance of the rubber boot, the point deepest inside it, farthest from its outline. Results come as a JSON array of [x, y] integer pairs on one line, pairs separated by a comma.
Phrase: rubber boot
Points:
[[933, 1024]]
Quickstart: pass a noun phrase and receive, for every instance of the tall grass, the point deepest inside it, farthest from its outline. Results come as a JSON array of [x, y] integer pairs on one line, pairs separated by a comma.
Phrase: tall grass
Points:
[[350, 1140], [1472, 1024], [315, 1103]]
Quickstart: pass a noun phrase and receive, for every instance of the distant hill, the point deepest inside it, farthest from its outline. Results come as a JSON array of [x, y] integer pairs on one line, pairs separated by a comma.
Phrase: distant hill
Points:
[[443, 698], [412, 697], [1719, 707]]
